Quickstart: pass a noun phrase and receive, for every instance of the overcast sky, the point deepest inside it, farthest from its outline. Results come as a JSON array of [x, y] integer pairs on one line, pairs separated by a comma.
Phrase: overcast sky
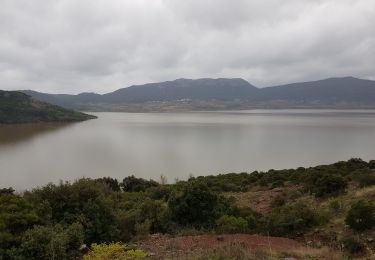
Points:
[[71, 46]]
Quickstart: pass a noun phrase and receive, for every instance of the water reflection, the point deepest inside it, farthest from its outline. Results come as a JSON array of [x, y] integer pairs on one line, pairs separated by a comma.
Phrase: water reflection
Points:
[[176, 145], [13, 134]]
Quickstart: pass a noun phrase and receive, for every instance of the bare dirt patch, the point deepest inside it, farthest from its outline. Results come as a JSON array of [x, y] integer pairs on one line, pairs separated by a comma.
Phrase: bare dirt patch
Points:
[[260, 200], [167, 246]]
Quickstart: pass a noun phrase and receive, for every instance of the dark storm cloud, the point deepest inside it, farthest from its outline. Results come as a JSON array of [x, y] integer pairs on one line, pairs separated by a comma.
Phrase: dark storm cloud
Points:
[[100, 45]]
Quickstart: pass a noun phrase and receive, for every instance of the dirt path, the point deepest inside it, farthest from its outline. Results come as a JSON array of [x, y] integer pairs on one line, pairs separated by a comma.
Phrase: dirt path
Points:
[[160, 245]]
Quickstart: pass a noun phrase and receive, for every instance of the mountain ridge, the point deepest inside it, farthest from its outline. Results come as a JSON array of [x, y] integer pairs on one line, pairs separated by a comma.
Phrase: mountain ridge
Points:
[[344, 91]]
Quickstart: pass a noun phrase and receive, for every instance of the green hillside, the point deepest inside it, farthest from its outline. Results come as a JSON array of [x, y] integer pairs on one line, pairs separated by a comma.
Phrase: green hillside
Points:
[[323, 212], [17, 107]]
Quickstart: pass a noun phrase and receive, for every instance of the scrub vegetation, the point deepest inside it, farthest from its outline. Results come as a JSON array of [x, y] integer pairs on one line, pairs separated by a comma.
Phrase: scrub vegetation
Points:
[[327, 208]]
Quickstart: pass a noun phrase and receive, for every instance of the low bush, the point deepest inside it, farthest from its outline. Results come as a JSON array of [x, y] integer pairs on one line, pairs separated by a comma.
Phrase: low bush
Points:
[[116, 250], [133, 184], [37, 223], [292, 218], [361, 216], [323, 185], [196, 204], [231, 224], [55, 242]]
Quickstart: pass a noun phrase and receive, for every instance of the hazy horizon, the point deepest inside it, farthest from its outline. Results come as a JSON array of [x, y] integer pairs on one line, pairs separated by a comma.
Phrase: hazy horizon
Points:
[[88, 91]]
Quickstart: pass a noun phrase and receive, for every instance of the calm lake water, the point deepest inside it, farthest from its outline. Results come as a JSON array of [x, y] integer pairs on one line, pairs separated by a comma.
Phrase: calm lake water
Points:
[[179, 144]]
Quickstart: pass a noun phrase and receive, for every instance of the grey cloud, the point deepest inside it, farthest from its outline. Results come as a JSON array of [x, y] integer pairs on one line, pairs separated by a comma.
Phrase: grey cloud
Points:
[[70, 46]]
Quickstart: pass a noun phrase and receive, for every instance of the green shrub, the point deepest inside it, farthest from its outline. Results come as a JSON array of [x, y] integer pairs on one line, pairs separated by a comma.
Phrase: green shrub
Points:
[[157, 214], [226, 182], [106, 251], [371, 164], [142, 218], [231, 224], [16, 216], [44, 242], [142, 229], [365, 179], [196, 204], [133, 184], [292, 219], [323, 185], [83, 201], [361, 216], [136, 253], [126, 221], [160, 192], [110, 183], [255, 220], [277, 183], [9, 190]]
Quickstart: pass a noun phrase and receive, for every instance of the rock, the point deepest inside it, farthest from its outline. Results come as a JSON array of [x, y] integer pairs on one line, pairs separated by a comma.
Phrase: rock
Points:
[[84, 249]]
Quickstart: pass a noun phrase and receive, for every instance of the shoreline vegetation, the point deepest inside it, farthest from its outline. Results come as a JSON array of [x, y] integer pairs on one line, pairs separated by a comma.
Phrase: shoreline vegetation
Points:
[[214, 106], [19, 108], [322, 212]]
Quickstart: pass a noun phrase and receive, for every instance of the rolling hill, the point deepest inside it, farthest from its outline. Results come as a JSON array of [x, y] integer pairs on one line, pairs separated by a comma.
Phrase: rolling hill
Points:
[[17, 107], [347, 89], [346, 92]]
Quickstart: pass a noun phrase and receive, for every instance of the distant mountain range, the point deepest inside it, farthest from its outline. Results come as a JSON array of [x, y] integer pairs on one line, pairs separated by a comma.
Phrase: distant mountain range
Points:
[[17, 107], [222, 93]]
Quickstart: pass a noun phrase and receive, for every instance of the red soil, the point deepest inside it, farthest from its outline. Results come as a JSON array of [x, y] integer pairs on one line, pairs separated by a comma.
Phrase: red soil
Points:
[[165, 245]]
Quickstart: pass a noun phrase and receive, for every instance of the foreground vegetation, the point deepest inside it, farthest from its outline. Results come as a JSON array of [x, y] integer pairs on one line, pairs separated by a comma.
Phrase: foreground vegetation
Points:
[[327, 206], [17, 107]]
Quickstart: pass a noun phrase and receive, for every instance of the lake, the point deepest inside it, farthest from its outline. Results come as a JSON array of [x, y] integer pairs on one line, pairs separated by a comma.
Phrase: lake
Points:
[[181, 144]]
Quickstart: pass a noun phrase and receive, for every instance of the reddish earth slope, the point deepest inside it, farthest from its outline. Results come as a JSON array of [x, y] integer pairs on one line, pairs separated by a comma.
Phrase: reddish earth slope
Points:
[[159, 245]]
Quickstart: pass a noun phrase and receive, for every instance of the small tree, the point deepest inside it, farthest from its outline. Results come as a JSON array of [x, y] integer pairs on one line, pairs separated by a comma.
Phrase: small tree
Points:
[[16, 216], [52, 242], [361, 216], [133, 184]]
